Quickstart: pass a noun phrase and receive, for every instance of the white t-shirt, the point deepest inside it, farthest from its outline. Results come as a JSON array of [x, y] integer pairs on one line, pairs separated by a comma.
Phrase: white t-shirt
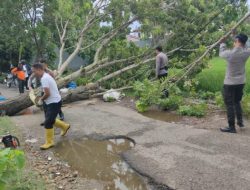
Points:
[[48, 82], [25, 71]]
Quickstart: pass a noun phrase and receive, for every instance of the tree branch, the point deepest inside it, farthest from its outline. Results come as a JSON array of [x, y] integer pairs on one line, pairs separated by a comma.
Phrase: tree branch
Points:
[[197, 62]]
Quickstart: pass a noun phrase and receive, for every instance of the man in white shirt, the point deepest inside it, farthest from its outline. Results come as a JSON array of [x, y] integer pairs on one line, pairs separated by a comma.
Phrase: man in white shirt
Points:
[[25, 69], [52, 99], [32, 77]]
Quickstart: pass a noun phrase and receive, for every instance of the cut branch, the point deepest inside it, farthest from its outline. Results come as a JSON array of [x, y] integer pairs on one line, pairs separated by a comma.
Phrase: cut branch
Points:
[[90, 22], [116, 73], [198, 61], [107, 40]]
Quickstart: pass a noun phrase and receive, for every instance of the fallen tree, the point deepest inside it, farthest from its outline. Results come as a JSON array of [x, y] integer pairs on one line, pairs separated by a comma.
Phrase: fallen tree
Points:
[[65, 26], [15, 105]]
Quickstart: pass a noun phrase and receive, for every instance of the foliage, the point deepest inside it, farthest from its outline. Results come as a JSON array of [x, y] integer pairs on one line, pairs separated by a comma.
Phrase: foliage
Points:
[[171, 103], [11, 161], [6, 126], [13, 173], [24, 34], [2, 77], [81, 81], [219, 100], [141, 106], [148, 92], [190, 86], [206, 95], [246, 105], [211, 79], [198, 110], [111, 99]]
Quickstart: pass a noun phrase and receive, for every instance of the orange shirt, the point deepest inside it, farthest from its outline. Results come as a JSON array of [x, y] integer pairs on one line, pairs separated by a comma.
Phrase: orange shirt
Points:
[[19, 73]]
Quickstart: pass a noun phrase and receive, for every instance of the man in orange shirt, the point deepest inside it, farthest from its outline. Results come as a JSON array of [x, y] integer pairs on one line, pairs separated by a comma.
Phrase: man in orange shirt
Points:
[[18, 71]]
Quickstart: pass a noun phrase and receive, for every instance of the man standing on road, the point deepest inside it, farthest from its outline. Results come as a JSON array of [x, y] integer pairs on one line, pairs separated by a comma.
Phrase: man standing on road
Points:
[[53, 103], [234, 80]]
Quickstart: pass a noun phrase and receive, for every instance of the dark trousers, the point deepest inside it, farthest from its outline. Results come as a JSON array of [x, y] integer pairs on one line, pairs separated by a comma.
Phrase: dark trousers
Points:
[[51, 112], [21, 86], [232, 97], [45, 109], [26, 83], [165, 92]]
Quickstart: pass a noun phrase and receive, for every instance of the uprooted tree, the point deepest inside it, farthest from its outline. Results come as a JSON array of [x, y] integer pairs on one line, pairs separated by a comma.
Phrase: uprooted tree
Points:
[[98, 29]]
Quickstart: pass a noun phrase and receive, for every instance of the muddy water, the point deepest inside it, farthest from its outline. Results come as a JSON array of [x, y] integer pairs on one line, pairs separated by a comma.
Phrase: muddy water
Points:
[[100, 160], [162, 116]]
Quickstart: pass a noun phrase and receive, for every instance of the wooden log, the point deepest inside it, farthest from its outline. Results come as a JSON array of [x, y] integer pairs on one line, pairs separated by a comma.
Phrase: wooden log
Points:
[[15, 105]]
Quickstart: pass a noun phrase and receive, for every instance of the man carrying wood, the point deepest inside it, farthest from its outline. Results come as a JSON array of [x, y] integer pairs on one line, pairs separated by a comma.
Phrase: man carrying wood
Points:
[[234, 80], [53, 102], [32, 77]]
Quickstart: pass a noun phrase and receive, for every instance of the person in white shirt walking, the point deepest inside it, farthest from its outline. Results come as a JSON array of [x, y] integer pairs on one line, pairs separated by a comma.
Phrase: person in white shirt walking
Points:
[[52, 99], [27, 71]]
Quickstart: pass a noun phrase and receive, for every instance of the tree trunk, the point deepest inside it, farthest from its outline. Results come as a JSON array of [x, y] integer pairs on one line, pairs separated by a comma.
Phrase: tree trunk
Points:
[[17, 104]]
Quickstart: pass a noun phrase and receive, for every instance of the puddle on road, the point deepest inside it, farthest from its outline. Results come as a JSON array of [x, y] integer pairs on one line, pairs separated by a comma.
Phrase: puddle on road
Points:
[[162, 116], [100, 160]]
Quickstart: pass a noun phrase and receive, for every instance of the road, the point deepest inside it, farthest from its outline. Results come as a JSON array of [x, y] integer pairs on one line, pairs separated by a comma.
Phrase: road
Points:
[[179, 156]]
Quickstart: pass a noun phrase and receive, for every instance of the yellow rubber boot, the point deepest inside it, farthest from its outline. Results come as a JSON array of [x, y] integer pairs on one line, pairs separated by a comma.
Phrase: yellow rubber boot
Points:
[[63, 126], [49, 139]]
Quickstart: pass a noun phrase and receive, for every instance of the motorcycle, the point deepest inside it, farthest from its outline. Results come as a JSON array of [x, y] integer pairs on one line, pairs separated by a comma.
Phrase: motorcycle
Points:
[[11, 80]]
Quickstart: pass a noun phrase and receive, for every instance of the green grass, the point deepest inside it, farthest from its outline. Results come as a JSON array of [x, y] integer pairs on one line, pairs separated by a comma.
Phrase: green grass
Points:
[[23, 178], [211, 79], [6, 126]]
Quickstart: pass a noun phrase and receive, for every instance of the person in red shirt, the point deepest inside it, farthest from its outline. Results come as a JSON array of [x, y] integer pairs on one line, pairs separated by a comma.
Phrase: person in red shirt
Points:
[[18, 71]]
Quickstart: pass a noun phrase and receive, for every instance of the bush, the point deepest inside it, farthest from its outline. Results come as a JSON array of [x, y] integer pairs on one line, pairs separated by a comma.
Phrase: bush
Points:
[[219, 100], [141, 106], [2, 78], [148, 93], [82, 81], [246, 105], [171, 103], [111, 99], [13, 174], [206, 95], [11, 161], [193, 110]]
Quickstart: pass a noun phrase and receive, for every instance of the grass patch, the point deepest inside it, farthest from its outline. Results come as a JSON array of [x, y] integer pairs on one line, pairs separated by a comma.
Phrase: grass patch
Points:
[[211, 79], [6, 126], [14, 174], [198, 110]]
